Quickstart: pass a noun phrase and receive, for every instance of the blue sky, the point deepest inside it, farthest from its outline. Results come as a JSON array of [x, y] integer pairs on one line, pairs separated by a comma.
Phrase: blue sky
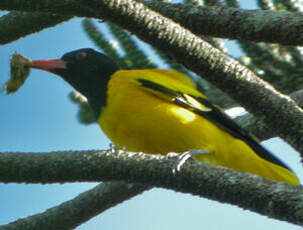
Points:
[[41, 118]]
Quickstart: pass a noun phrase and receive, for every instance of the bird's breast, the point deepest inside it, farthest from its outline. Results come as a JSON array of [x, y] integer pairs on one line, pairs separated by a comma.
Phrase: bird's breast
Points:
[[140, 121]]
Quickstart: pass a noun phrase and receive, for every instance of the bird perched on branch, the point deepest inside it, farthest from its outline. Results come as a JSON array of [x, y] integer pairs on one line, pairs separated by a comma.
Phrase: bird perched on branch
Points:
[[161, 111]]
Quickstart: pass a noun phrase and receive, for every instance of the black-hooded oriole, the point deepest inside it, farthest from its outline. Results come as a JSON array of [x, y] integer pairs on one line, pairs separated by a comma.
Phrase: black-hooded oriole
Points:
[[161, 111]]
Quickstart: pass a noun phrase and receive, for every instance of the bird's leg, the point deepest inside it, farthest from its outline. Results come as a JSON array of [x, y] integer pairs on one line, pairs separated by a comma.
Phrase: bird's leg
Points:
[[183, 157], [114, 149]]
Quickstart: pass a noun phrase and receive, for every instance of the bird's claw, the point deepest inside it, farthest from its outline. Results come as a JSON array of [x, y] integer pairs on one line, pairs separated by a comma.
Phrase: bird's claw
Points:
[[183, 157], [115, 150]]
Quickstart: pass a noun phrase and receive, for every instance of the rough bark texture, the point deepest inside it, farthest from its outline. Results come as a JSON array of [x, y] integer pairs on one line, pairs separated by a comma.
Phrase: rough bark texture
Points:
[[16, 25], [233, 23], [257, 127], [275, 200], [75, 212], [218, 21]]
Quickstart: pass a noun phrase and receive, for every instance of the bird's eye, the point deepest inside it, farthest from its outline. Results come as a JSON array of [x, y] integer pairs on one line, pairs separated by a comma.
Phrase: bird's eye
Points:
[[80, 55]]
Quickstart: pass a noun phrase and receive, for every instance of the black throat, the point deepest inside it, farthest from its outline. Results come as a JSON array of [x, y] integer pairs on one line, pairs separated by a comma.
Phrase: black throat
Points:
[[97, 95], [97, 101]]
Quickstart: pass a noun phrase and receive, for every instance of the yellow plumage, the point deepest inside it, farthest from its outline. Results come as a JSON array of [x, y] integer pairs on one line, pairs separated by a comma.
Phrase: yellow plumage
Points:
[[147, 120]]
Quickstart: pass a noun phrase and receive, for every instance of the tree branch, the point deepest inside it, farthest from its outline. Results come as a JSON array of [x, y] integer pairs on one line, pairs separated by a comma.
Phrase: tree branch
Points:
[[16, 25], [64, 7], [218, 21], [234, 23], [257, 127], [75, 212], [244, 190]]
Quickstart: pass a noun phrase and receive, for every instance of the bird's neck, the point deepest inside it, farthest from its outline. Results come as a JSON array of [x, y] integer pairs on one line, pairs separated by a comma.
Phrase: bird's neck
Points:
[[97, 102], [97, 94]]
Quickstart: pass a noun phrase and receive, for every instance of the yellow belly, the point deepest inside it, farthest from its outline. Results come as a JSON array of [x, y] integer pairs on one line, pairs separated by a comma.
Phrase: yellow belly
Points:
[[153, 125]]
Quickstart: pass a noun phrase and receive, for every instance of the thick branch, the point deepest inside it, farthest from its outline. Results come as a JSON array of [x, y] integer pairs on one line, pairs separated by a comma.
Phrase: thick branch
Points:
[[257, 127], [217, 21], [278, 111], [235, 23], [248, 191], [75, 212], [19, 24], [298, 97], [65, 7]]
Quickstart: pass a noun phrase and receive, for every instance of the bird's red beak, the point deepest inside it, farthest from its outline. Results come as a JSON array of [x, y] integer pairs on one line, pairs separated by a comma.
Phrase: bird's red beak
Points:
[[49, 65]]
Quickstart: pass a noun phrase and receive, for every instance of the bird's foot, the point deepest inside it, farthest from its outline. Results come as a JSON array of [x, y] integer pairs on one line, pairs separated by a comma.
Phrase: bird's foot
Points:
[[183, 157], [115, 150]]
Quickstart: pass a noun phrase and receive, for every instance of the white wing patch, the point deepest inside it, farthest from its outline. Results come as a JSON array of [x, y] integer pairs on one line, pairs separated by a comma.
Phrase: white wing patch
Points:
[[185, 115]]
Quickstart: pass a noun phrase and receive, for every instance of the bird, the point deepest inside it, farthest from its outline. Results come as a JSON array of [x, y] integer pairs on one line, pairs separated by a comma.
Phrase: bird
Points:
[[159, 111]]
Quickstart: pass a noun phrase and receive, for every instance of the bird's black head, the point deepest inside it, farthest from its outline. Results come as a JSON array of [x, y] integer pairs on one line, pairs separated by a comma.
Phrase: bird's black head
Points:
[[87, 70]]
